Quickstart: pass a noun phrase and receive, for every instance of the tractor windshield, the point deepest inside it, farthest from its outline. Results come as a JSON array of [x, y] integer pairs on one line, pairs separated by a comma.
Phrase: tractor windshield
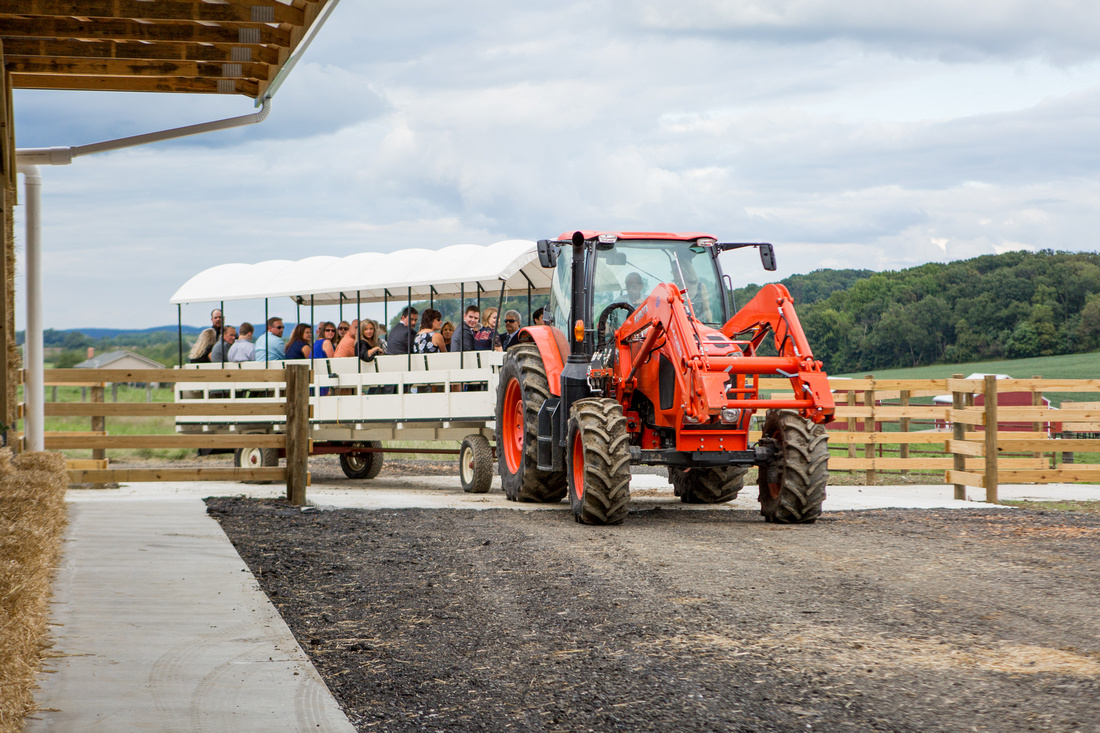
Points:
[[631, 270]]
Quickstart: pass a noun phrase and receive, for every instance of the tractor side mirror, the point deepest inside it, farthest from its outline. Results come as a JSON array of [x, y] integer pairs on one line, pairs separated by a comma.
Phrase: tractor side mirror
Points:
[[548, 253], [767, 257]]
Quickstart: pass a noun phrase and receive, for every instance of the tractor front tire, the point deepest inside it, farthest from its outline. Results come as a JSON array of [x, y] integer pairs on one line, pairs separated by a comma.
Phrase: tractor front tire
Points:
[[362, 465], [713, 485], [598, 462], [475, 464], [521, 393], [792, 486]]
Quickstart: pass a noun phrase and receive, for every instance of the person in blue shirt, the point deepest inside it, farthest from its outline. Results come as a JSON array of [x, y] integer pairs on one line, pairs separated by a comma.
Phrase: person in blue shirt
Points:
[[271, 346]]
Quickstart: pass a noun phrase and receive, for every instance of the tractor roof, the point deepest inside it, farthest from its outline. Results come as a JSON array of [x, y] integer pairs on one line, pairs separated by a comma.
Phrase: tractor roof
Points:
[[675, 236]]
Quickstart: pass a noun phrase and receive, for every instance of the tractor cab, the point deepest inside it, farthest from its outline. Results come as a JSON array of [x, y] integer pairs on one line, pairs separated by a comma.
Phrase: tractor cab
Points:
[[624, 268]]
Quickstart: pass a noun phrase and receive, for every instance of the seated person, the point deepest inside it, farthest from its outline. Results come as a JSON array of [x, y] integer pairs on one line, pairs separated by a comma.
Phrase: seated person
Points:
[[324, 347], [369, 345], [300, 345], [243, 349], [220, 353], [510, 337], [486, 338], [348, 339], [200, 352], [635, 284], [429, 340]]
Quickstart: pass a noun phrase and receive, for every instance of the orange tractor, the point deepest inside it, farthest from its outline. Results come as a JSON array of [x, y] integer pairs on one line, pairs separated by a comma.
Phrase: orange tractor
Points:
[[642, 362]]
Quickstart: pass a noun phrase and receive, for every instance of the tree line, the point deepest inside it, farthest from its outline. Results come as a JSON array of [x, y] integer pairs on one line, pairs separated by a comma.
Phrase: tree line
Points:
[[1009, 306]]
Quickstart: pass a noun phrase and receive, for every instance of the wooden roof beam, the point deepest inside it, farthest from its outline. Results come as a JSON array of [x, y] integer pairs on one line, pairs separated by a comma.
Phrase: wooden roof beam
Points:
[[137, 84], [118, 30], [118, 67], [246, 11], [137, 50]]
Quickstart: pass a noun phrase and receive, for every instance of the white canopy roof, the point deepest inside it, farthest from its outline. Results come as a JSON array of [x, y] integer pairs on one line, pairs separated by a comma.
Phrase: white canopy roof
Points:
[[368, 275]]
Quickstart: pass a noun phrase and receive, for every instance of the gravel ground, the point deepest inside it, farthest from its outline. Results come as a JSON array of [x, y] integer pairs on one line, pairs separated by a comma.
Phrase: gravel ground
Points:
[[885, 620]]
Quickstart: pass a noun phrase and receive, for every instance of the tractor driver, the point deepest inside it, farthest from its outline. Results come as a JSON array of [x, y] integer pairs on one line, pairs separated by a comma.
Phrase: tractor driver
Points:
[[634, 285]]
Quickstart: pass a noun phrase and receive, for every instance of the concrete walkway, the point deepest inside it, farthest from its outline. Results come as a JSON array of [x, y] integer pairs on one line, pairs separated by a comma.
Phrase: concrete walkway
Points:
[[162, 628]]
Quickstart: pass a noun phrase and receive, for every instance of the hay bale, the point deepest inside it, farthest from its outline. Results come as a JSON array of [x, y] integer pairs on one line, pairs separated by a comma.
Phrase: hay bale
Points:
[[32, 521]]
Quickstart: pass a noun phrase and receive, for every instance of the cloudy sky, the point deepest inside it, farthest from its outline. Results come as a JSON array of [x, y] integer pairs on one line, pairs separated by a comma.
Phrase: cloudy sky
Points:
[[851, 133]]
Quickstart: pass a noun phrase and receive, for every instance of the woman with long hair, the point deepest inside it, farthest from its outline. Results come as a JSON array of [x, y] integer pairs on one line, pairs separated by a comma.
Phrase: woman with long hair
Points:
[[200, 352], [325, 345], [369, 345], [446, 331], [300, 340], [487, 339], [429, 340]]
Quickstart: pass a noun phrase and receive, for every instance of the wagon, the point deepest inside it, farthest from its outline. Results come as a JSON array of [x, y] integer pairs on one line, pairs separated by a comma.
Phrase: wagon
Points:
[[356, 406]]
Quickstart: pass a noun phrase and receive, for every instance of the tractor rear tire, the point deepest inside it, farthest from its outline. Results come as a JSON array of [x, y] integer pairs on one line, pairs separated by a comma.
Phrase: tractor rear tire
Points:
[[792, 486], [713, 485], [475, 464], [598, 462], [522, 390], [362, 465]]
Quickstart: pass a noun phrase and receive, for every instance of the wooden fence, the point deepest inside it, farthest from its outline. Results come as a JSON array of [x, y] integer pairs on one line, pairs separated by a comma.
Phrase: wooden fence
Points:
[[880, 425], [294, 441], [882, 419]]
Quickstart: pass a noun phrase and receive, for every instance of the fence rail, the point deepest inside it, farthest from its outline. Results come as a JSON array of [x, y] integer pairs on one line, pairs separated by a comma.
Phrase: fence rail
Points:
[[294, 442]]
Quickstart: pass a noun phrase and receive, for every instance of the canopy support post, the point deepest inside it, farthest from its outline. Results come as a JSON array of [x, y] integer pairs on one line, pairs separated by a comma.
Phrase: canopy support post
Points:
[[221, 336], [358, 333], [179, 328], [529, 285], [267, 334]]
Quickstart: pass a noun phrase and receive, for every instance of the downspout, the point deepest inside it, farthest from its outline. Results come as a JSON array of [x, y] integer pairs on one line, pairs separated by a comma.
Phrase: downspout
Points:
[[28, 160], [34, 388]]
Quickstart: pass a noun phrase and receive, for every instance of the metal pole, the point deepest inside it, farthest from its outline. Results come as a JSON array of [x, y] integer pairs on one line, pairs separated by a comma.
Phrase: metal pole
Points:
[[462, 325], [34, 394], [408, 316], [359, 333], [221, 336], [312, 325], [179, 329], [267, 334]]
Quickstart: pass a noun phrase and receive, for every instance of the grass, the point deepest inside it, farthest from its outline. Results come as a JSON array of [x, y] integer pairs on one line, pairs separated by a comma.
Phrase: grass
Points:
[[1069, 366]]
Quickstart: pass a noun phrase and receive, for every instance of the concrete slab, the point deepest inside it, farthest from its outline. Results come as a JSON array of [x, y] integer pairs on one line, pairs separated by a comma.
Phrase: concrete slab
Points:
[[161, 627]]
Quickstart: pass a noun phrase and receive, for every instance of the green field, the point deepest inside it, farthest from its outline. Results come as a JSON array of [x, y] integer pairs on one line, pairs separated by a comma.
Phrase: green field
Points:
[[1069, 366]]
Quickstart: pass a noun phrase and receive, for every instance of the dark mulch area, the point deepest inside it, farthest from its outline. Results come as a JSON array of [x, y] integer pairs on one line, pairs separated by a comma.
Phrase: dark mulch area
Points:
[[886, 620]]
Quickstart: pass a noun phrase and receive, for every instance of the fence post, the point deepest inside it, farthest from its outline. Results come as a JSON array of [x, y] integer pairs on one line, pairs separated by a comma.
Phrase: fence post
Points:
[[958, 400], [297, 432], [991, 439], [1037, 401], [869, 448], [904, 427], [99, 423], [851, 424]]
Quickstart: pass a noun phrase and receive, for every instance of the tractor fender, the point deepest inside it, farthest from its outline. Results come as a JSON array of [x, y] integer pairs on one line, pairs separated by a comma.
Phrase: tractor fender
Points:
[[552, 344]]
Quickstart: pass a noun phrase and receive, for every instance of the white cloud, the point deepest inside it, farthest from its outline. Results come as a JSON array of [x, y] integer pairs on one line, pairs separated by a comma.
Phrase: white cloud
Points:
[[845, 133]]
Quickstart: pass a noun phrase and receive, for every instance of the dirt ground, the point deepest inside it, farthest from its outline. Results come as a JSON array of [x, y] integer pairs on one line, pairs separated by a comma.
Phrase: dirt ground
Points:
[[885, 620]]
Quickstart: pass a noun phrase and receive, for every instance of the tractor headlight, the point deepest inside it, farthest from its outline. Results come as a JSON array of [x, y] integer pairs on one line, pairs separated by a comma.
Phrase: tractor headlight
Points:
[[730, 416]]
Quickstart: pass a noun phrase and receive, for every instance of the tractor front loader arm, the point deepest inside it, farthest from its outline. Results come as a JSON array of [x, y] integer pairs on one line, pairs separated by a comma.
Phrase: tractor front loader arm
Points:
[[773, 311]]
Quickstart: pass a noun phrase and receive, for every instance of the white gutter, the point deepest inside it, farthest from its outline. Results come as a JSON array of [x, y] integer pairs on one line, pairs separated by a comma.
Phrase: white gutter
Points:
[[28, 160]]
